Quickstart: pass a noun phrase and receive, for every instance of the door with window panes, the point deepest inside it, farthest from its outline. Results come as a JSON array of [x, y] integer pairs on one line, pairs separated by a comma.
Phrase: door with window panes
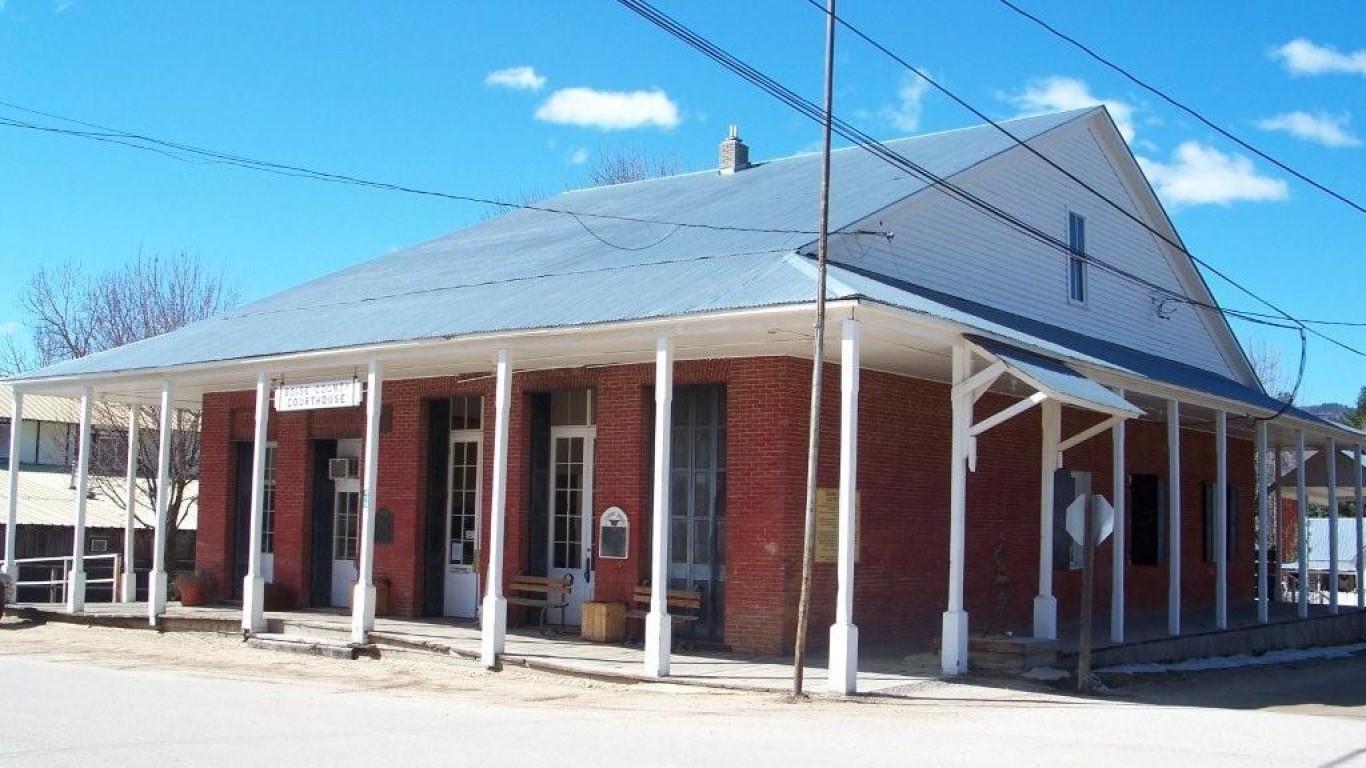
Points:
[[463, 498], [345, 530], [697, 506], [570, 532]]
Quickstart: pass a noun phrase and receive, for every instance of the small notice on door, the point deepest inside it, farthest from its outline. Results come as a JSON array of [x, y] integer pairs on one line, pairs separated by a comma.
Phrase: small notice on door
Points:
[[828, 525]]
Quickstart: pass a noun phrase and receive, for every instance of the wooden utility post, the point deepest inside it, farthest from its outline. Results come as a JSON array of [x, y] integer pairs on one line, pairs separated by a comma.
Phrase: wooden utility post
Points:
[[817, 365]]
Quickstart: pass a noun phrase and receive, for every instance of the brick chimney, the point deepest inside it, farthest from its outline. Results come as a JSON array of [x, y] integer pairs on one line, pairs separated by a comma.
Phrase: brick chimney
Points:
[[734, 153]]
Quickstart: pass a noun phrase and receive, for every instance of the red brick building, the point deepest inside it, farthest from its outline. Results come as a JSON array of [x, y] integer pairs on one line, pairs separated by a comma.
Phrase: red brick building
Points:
[[646, 364]]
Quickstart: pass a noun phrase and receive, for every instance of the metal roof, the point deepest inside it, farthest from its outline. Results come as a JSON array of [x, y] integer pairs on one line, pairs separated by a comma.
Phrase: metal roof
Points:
[[47, 498], [532, 270], [1316, 472], [1057, 380], [1318, 531], [40, 407], [1054, 341]]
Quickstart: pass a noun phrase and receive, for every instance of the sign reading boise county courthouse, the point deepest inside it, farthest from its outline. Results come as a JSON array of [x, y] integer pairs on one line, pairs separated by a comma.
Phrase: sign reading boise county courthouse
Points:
[[344, 393]]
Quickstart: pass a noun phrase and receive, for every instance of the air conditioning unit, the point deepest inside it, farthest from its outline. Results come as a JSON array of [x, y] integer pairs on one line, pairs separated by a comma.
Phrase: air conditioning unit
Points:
[[343, 469]]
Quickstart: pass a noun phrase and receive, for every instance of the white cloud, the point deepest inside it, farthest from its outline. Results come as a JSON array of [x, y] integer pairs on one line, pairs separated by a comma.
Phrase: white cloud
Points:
[[1320, 128], [516, 78], [10, 327], [1304, 57], [1202, 175], [609, 110], [1060, 94], [579, 156], [905, 116]]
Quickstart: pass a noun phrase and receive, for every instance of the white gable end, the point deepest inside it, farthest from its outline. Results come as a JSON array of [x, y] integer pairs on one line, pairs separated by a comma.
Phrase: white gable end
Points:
[[947, 245]]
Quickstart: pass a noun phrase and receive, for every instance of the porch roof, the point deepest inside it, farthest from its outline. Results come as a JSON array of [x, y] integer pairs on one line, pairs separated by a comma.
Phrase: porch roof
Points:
[[1057, 380], [1088, 354]]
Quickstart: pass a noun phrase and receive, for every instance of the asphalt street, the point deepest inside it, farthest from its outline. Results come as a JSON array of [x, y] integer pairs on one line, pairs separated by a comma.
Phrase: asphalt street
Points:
[[80, 712]]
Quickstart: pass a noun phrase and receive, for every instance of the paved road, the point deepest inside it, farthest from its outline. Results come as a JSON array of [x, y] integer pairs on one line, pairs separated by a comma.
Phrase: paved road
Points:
[[73, 713]]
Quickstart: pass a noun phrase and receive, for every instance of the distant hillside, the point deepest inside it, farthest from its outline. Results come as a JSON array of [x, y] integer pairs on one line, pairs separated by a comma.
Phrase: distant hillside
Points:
[[1334, 411]]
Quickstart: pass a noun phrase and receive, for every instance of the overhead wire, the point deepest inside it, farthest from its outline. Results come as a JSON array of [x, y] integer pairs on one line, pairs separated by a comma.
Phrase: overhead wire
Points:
[[1174, 243], [881, 150], [1301, 324], [866, 142], [1161, 94], [190, 153]]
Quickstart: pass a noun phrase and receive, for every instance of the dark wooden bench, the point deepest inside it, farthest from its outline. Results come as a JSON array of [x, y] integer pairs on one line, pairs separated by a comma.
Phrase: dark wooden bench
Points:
[[684, 606], [541, 594]]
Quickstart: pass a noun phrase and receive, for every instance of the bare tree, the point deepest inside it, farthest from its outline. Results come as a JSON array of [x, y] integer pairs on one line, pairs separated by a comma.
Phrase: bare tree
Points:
[[72, 313], [620, 166], [1266, 363]]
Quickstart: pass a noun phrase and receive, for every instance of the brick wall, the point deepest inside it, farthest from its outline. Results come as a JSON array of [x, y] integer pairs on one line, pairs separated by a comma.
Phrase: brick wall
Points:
[[901, 579]]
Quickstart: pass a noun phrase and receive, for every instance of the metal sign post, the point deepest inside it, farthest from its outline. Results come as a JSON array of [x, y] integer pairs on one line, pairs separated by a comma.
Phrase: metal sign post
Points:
[[1090, 520]]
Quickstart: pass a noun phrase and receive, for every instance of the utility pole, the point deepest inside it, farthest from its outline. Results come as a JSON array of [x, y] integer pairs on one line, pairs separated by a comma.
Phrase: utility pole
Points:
[[817, 363]]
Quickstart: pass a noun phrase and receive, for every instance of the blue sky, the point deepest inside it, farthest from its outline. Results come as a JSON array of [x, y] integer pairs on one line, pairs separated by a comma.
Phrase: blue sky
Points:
[[509, 99]]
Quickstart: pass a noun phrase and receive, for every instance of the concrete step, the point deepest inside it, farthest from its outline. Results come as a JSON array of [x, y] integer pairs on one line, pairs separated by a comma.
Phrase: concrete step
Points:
[[311, 646]]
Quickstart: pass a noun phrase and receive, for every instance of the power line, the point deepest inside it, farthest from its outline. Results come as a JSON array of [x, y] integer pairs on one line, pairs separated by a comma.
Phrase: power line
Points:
[[1154, 90], [877, 148], [189, 153], [1176, 244], [1302, 325]]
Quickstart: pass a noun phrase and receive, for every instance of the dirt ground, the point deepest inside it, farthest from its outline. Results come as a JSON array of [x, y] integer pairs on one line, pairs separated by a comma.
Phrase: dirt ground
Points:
[[1322, 688]]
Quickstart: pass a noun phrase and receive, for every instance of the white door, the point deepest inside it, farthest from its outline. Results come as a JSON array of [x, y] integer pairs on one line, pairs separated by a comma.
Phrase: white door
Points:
[[345, 541], [571, 514], [463, 483]]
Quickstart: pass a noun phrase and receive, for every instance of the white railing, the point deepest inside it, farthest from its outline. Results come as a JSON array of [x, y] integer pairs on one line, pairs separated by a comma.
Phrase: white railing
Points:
[[58, 570]]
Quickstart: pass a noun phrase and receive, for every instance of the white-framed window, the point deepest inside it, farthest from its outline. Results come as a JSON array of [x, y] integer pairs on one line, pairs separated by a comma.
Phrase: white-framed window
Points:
[[268, 503], [1077, 288]]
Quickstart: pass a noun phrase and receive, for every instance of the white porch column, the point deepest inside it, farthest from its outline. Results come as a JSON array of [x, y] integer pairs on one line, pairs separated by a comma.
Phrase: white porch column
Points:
[[75, 582], [954, 642], [1360, 554], [253, 586], [1174, 517], [1045, 604], [1302, 523], [658, 623], [1220, 520], [1332, 451], [1119, 558], [156, 580], [363, 598], [1263, 522], [12, 503], [493, 615], [843, 677], [128, 590]]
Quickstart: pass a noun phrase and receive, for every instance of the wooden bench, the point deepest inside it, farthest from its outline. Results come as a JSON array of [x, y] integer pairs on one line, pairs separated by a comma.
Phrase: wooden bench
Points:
[[684, 606], [542, 594]]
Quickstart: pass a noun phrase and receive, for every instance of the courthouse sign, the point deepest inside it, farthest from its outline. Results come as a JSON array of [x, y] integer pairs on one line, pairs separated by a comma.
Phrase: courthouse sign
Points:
[[344, 393]]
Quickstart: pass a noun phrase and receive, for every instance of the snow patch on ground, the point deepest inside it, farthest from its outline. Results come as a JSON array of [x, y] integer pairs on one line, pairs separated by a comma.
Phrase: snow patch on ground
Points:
[[1242, 660]]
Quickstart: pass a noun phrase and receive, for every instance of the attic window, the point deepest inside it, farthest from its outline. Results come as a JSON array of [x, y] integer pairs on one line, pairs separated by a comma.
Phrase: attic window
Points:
[[1076, 263]]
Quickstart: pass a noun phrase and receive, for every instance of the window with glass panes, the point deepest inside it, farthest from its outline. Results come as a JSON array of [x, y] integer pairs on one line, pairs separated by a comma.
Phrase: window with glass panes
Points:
[[463, 507], [568, 408], [268, 503], [697, 506], [346, 526], [1076, 264]]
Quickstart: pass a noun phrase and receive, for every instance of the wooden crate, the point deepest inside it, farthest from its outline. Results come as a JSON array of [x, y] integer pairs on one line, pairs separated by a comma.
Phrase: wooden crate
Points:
[[604, 622]]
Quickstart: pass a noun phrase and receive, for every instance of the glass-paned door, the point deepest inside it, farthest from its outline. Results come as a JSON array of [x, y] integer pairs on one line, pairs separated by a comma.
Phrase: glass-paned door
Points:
[[571, 513], [462, 526], [345, 541], [697, 505]]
